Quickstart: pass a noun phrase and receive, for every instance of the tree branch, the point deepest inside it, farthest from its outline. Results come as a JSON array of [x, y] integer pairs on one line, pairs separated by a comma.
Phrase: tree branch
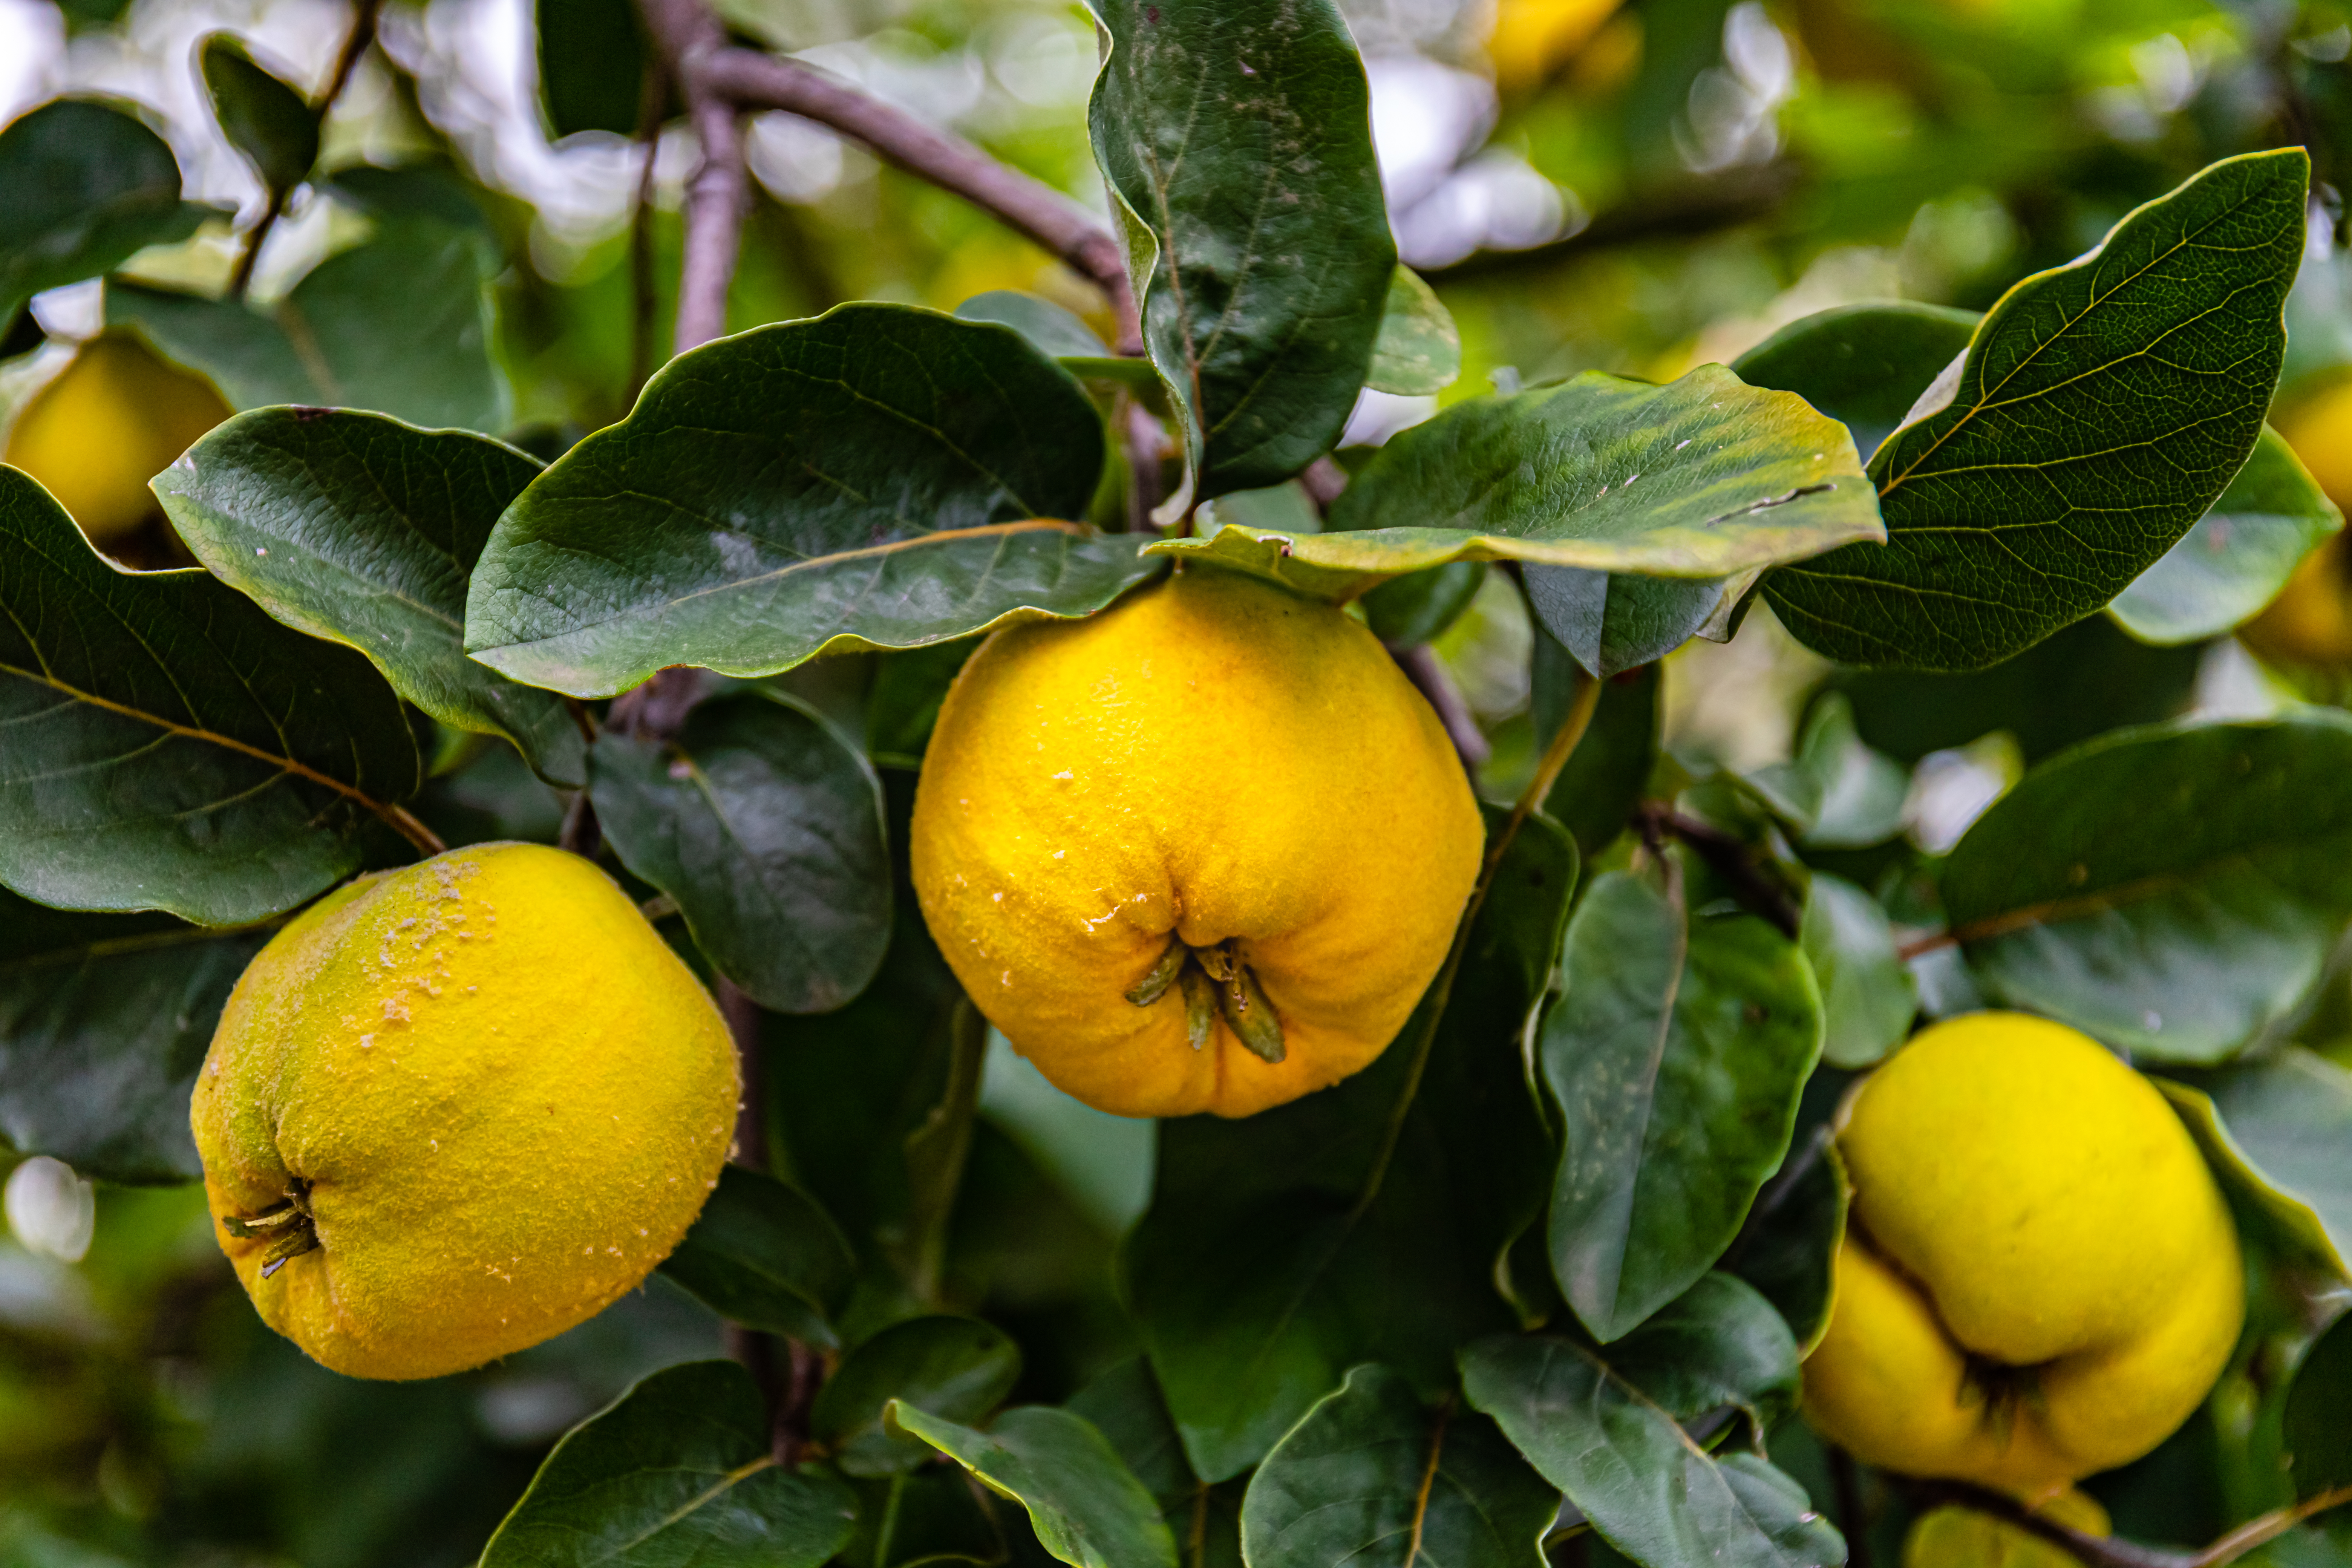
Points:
[[2111, 1551], [1678, 212], [687, 35], [1728, 858], [1428, 674], [356, 45]]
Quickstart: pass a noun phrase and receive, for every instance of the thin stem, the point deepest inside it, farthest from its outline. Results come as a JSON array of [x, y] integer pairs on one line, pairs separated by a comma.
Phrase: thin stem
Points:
[[355, 44], [1730, 859], [652, 96], [240, 280], [936, 1151], [687, 35], [2110, 1551], [1440, 990], [1428, 674], [404, 821], [752, 80]]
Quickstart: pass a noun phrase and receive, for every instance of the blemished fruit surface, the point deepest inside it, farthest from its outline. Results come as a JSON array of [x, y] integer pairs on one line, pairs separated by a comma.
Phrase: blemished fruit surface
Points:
[[1217, 797], [487, 1089], [111, 420], [2040, 1278], [2309, 624]]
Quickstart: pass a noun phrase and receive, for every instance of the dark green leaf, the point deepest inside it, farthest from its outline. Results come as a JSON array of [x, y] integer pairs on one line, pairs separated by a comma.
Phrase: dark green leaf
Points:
[[1793, 1237], [1051, 329], [1370, 1480], [399, 325], [2174, 891], [1720, 1344], [1417, 607], [1087, 1508], [592, 65], [1862, 365], [1125, 1405], [1419, 351], [2280, 1131], [171, 747], [2102, 407], [1613, 623], [83, 183], [766, 827], [1698, 479], [2318, 1439], [1676, 1055], [880, 477], [1595, 795], [1652, 1492], [1262, 1272], [1868, 995], [903, 703], [2238, 557], [958, 1368], [363, 530], [762, 1254], [676, 1473], [1238, 141], [267, 120], [1837, 793], [104, 1020]]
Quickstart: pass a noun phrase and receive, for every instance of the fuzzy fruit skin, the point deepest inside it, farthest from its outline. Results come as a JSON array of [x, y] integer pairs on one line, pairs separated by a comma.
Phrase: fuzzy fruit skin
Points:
[[509, 1097], [2020, 1197], [1213, 756], [114, 419]]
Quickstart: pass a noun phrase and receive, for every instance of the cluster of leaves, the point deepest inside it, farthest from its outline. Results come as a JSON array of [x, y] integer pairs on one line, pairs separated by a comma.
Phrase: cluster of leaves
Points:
[[1549, 1266]]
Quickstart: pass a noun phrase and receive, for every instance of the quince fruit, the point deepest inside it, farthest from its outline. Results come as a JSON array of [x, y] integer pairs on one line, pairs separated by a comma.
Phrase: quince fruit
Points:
[[1202, 852], [2309, 624], [115, 417], [2040, 1278], [452, 1110]]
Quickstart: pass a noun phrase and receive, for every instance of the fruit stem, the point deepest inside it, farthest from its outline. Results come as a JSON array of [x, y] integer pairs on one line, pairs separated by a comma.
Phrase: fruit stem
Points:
[[1547, 771], [937, 1149]]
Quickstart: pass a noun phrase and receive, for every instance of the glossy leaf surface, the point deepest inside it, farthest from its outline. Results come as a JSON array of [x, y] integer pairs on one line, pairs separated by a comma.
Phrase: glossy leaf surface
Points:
[[1698, 479], [83, 183], [2237, 557], [2173, 890], [957, 1368], [2101, 409], [1862, 365], [1372, 1479], [879, 477], [1622, 1457], [2280, 1131], [171, 747], [762, 1254], [1087, 1506], [1613, 623], [361, 530], [1676, 1055], [1238, 142], [766, 827], [677, 1472], [104, 1020]]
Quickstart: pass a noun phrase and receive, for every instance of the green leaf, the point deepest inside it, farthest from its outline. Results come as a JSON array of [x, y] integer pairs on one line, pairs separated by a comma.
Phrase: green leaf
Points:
[[1270, 1262], [2174, 891], [676, 1472], [903, 704], [1418, 607], [1862, 365], [1125, 1405], [2280, 1130], [1419, 351], [880, 477], [1088, 1509], [1238, 141], [170, 746], [957, 1368], [762, 1254], [2317, 1439], [1676, 1055], [361, 530], [1647, 1487], [1718, 1345], [83, 185], [2101, 409], [399, 325], [267, 120], [1868, 994], [1791, 1243], [104, 1020], [1596, 792], [1370, 1480], [1611, 623], [766, 827], [1837, 793], [1053, 329], [2237, 557], [1698, 479], [592, 65]]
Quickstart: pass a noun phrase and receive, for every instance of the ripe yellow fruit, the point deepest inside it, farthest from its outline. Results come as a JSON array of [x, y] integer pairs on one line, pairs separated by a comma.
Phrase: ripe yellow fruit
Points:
[[115, 417], [1214, 807], [1533, 37], [2309, 624], [2040, 1280], [452, 1110], [1962, 1538]]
